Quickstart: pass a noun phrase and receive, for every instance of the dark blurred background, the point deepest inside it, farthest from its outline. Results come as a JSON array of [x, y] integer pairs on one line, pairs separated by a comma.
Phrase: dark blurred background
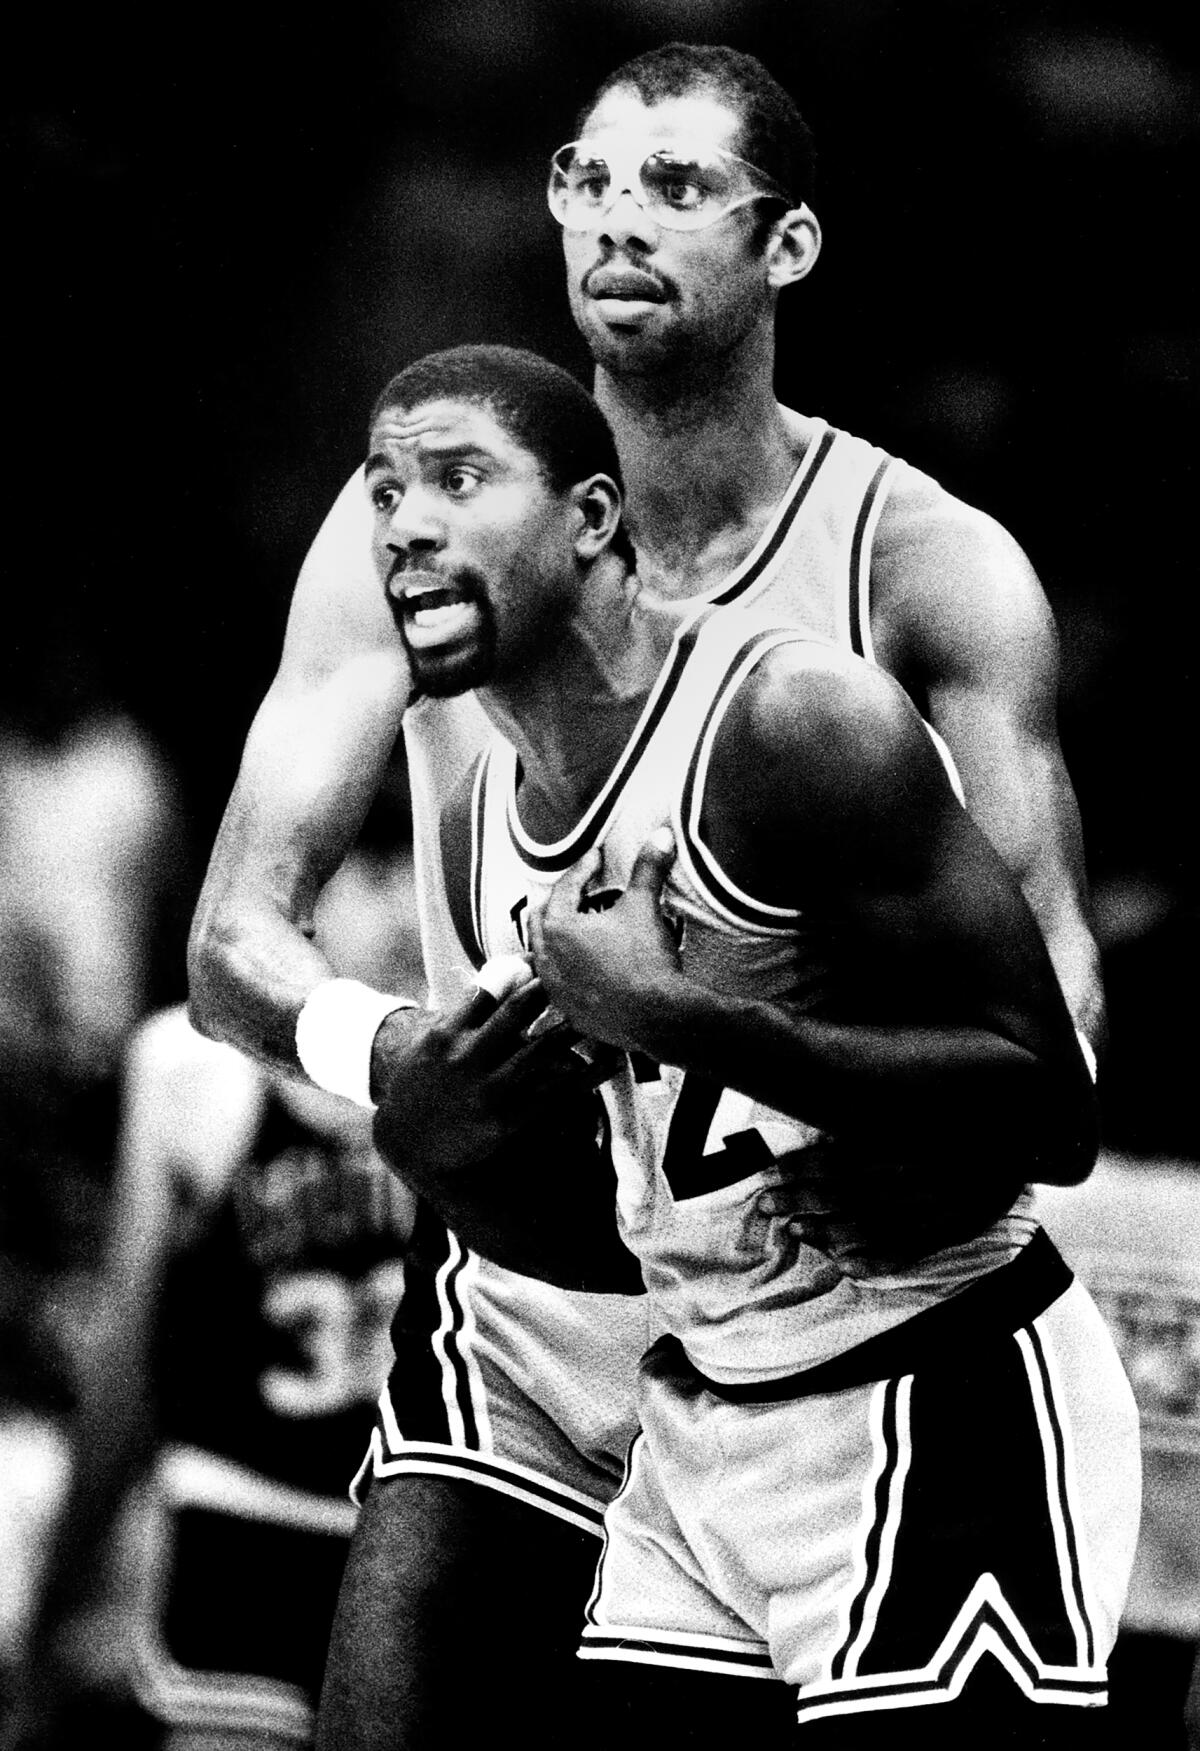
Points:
[[227, 226]]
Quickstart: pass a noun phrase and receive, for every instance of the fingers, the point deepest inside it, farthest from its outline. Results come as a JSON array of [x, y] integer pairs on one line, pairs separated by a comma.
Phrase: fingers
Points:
[[538, 1073], [499, 1033], [503, 975], [653, 861], [498, 979], [568, 889]]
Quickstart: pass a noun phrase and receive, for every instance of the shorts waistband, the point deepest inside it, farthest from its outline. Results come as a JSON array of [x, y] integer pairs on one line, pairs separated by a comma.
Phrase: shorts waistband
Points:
[[950, 1333]]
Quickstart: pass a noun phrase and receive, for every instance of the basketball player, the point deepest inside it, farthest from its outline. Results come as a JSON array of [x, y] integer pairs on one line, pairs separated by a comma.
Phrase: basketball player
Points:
[[727, 494], [825, 947], [256, 1261]]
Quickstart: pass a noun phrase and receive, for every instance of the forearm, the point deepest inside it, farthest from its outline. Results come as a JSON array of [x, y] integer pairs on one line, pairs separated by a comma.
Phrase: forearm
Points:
[[1073, 952], [249, 973], [933, 1094]]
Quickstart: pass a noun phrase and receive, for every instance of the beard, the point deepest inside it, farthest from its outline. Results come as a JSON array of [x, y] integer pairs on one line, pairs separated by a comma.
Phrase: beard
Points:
[[445, 672]]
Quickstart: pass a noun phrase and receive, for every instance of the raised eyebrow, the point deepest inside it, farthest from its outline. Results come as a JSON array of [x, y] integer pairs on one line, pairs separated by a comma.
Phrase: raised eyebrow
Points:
[[456, 447]]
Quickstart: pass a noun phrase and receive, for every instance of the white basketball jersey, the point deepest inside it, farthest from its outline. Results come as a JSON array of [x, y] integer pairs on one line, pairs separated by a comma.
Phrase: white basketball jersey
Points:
[[812, 565], [698, 1165]]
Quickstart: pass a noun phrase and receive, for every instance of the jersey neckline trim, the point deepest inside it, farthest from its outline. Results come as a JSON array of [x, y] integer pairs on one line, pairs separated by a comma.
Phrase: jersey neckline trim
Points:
[[559, 854], [780, 526]]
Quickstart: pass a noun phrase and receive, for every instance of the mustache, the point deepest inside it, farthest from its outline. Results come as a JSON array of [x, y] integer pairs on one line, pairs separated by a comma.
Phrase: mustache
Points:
[[620, 264], [467, 583]]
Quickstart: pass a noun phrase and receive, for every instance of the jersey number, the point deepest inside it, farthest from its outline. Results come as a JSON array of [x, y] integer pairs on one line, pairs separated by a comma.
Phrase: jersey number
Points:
[[341, 1331]]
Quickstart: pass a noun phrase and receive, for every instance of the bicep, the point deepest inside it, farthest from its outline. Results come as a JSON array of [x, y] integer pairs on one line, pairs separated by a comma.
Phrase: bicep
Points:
[[326, 728], [313, 760], [338, 608], [927, 916], [980, 644], [947, 934], [994, 703]]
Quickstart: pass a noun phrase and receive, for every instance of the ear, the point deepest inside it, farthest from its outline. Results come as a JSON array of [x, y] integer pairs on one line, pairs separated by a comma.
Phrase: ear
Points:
[[793, 247], [597, 503]]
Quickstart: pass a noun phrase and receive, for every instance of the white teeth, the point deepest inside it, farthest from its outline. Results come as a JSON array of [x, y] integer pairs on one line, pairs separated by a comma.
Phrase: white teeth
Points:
[[435, 616]]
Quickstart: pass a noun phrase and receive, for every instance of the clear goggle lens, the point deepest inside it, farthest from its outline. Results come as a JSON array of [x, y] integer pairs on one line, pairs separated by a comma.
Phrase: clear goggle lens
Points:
[[684, 187]]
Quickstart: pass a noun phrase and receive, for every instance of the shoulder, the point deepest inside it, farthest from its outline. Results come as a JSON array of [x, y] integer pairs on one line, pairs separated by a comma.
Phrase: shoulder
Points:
[[835, 722], [338, 615], [950, 585], [823, 757]]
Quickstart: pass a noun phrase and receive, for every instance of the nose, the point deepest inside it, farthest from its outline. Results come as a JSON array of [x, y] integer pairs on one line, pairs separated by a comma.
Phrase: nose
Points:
[[627, 221], [415, 527]]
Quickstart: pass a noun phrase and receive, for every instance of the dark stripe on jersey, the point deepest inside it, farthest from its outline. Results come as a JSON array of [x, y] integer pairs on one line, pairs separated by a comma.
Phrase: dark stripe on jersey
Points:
[[459, 835], [883, 1488], [590, 828], [478, 792], [944, 1335], [416, 1381], [1060, 1484], [735, 674], [739, 586], [857, 642]]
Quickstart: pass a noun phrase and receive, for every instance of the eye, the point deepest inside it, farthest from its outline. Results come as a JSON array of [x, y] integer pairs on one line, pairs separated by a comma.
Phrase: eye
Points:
[[459, 480], [682, 194], [589, 179], [678, 184], [385, 496]]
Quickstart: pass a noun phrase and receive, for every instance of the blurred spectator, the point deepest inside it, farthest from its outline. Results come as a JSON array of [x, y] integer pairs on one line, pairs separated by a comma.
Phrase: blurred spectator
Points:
[[88, 847], [252, 1270]]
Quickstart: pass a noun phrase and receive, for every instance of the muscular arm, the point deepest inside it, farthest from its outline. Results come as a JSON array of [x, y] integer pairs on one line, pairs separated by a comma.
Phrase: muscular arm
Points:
[[959, 617], [311, 765], [947, 1041]]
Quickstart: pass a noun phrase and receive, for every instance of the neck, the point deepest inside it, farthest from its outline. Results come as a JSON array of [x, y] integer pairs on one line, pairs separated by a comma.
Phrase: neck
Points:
[[706, 455], [570, 716]]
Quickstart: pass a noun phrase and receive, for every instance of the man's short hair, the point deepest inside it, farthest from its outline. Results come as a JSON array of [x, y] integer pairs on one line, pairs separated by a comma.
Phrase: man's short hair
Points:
[[541, 407], [772, 135]]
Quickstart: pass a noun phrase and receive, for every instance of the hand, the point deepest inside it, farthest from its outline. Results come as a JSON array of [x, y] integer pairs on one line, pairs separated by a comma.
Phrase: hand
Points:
[[460, 1086], [599, 966], [503, 1136], [872, 1215]]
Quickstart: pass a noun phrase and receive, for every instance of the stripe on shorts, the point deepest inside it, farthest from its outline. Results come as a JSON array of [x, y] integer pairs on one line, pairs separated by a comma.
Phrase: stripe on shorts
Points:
[[969, 1546]]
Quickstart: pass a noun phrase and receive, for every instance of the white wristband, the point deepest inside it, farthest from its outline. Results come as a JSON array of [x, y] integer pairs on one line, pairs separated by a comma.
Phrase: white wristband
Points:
[[1089, 1052], [335, 1031]]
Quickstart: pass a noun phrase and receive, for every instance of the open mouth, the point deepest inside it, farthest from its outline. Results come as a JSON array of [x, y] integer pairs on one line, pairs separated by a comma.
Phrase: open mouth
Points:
[[435, 610]]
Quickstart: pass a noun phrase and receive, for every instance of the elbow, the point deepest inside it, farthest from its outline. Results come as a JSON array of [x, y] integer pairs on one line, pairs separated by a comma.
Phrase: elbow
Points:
[[1068, 1140]]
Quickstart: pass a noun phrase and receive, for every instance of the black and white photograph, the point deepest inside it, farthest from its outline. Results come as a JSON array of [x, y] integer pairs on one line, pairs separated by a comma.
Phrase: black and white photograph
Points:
[[599, 912]]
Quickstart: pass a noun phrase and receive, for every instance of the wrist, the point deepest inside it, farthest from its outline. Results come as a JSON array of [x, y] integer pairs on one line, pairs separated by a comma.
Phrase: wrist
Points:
[[662, 1016], [335, 1035]]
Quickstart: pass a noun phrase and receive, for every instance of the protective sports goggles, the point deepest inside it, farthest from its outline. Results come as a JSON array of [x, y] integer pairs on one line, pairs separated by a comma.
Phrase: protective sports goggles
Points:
[[683, 185]]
